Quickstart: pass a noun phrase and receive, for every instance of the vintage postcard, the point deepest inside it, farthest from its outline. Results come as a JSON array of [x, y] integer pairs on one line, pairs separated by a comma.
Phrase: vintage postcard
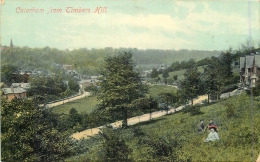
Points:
[[135, 80]]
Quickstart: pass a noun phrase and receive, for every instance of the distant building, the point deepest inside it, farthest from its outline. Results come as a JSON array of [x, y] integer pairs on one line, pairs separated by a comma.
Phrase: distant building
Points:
[[24, 75], [85, 83], [11, 93], [21, 85], [67, 67]]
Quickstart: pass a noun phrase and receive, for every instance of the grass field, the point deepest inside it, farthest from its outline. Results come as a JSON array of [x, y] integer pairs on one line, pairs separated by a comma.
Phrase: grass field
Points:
[[235, 134], [82, 105], [155, 90], [88, 104], [180, 73]]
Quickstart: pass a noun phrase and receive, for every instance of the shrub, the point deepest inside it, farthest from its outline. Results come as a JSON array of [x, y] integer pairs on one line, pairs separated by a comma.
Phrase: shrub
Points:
[[192, 110], [164, 148], [115, 148], [230, 109]]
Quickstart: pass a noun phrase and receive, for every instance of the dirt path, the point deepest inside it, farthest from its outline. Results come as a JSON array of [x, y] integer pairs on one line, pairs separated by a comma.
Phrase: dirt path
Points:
[[131, 121], [85, 94]]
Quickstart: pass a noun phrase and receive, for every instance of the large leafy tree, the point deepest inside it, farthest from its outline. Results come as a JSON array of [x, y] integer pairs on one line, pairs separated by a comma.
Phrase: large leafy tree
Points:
[[218, 74], [190, 86], [29, 133], [120, 84], [47, 87], [7, 75]]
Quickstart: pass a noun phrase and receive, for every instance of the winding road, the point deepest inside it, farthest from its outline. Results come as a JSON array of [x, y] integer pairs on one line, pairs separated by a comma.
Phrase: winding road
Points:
[[131, 121]]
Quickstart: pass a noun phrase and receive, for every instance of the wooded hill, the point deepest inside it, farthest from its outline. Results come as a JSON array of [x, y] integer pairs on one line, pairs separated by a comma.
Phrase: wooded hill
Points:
[[87, 61]]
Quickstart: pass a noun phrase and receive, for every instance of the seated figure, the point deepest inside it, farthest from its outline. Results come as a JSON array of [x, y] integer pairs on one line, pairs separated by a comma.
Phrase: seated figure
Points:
[[213, 135]]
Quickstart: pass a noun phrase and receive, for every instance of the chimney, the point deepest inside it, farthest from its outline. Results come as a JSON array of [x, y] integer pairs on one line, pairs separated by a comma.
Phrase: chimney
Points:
[[21, 85]]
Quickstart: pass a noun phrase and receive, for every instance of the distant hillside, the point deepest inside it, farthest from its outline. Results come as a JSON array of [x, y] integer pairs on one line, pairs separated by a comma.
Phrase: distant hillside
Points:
[[88, 61]]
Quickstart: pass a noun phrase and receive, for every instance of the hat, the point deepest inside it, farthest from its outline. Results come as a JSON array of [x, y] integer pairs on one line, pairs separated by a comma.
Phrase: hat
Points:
[[213, 126]]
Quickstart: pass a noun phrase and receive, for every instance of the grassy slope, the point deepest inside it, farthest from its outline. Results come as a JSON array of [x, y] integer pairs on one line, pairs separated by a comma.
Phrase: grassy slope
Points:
[[180, 73], [86, 104], [155, 90], [235, 143]]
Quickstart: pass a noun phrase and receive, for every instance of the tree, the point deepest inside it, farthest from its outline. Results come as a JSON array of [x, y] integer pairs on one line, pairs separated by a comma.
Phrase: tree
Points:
[[147, 104], [190, 86], [157, 79], [165, 148], [208, 81], [120, 84], [114, 146], [47, 87], [29, 133], [73, 85], [165, 75], [7, 75], [74, 117], [92, 89], [154, 73], [175, 77]]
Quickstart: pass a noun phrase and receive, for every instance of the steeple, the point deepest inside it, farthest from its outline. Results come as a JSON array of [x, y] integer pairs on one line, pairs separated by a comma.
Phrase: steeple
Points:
[[11, 44]]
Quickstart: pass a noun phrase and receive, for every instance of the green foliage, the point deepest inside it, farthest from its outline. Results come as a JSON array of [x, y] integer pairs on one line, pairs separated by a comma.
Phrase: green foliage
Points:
[[114, 147], [154, 73], [144, 105], [163, 148], [88, 61], [175, 77], [192, 110], [92, 89], [234, 144], [7, 74], [256, 89], [30, 133], [165, 74], [45, 86], [190, 86], [120, 84], [74, 117], [230, 110], [73, 85]]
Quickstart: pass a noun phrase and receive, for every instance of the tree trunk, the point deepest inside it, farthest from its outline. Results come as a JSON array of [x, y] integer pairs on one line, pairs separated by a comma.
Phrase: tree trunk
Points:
[[125, 117], [192, 102], [150, 115], [208, 98]]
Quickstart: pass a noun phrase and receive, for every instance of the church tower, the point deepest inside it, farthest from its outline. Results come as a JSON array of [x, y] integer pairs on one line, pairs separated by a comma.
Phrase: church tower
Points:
[[11, 44]]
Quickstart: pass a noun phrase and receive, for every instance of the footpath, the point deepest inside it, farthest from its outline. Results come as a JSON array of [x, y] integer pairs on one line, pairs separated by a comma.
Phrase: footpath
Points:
[[134, 120], [65, 100]]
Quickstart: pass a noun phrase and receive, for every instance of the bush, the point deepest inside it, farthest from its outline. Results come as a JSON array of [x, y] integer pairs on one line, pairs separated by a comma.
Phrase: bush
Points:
[[164, 148], [192, 110], [115, 148], [230, 109]]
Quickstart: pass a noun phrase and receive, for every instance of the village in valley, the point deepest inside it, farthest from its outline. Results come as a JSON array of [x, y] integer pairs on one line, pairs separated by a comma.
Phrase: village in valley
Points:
[[130, 82]]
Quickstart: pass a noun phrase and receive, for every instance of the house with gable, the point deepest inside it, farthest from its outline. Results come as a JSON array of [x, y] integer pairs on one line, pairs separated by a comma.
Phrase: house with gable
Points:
[[250, 69]]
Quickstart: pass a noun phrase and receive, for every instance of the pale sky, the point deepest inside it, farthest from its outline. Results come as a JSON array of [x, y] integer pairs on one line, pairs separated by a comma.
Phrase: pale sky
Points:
[[202, 25]]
